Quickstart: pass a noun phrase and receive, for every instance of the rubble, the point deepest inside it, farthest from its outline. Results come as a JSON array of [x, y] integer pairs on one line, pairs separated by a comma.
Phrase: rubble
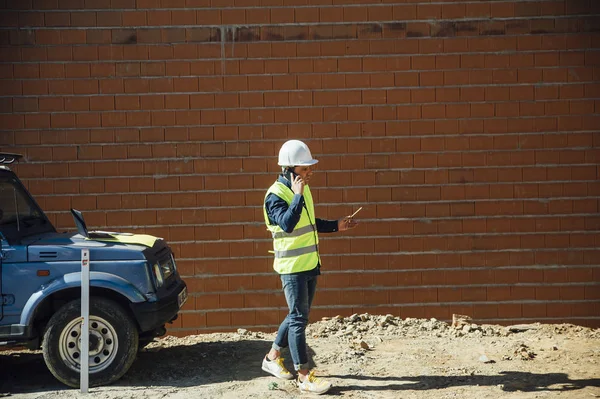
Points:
[[359, 326], [459, 320], [523, 327], [363, 332], [484, 359], [523, 352]]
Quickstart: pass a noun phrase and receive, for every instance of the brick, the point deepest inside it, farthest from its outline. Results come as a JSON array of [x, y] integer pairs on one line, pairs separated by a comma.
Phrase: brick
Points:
[[73, 36], [57, 19], [134, 18], [108, 18], [208, 17]]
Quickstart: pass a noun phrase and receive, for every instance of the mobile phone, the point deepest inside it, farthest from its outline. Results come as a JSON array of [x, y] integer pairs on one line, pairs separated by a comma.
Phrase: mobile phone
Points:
[[290, 175]]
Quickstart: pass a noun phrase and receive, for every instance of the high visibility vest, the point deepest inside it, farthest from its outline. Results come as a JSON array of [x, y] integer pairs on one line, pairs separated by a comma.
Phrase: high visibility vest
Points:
[[297, 251]]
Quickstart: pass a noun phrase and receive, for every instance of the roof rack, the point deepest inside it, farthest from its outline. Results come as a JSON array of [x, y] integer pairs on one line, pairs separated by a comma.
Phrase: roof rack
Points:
[[7, 158]]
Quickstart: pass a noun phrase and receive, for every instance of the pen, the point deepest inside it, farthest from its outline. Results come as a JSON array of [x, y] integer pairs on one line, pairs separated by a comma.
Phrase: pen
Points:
[[351, 216]]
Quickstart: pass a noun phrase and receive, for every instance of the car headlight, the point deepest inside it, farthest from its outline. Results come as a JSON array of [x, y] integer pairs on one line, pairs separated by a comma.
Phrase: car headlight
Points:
[[158, 277], [167, 268]]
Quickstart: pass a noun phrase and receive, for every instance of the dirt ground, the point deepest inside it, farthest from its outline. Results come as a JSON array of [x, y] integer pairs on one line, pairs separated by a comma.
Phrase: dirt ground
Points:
[[365, 356]]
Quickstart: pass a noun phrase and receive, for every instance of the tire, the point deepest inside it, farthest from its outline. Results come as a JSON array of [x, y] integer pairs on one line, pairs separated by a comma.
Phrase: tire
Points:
[[113, 342]]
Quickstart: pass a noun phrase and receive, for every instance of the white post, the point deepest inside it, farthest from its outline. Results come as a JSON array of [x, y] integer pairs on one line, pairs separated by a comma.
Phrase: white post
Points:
[[85, 321]]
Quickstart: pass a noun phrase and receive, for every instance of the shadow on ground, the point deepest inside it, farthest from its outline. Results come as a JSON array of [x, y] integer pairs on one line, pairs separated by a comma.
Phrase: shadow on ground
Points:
[[176, 366], [509, 381], [224, 361]]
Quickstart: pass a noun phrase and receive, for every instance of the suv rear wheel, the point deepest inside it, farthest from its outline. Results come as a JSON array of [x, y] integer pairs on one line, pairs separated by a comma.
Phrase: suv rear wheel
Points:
[[113, 339]]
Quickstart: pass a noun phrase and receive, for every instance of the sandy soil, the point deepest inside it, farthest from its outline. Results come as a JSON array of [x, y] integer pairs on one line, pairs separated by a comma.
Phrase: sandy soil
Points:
[[364, 356]]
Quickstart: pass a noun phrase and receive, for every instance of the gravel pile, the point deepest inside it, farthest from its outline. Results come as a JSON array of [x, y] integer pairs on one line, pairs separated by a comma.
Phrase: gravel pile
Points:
[[359, 326], [361, 333]]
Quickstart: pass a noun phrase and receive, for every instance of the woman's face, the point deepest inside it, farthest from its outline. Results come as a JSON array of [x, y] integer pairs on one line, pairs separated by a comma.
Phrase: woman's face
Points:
[[305, 172]]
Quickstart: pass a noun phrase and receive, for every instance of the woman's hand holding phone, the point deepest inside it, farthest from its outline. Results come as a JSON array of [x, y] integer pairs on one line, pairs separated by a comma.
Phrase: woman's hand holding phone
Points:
[[297, 184]]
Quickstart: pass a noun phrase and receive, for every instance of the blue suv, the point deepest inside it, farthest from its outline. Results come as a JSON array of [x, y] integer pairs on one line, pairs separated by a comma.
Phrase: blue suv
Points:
[[135, 288]]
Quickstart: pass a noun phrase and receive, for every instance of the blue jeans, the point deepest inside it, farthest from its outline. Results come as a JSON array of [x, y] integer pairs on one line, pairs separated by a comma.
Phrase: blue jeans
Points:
[[299, 292]]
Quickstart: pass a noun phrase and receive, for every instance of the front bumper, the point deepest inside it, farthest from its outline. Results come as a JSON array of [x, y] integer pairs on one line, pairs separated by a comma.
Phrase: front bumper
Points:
[[151, 315]]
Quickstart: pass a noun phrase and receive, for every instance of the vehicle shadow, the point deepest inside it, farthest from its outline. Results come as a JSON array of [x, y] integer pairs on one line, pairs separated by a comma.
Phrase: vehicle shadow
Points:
[[175, 366], [508, 381], [17, 369]]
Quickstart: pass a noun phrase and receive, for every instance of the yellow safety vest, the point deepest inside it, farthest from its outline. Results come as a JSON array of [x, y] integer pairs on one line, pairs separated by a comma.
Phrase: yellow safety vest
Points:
[[297, 251]]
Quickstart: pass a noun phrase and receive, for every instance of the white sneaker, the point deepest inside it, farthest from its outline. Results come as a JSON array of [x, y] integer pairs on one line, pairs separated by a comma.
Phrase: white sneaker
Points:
[[276, 368], [313, 384]]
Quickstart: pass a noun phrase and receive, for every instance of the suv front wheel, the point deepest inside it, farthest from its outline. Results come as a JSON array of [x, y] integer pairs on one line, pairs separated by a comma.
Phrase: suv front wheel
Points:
[[113, 342]]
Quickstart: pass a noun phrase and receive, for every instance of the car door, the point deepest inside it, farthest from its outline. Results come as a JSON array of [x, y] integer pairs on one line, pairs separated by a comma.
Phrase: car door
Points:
[[1, 296], [16, 278], [16, 282]]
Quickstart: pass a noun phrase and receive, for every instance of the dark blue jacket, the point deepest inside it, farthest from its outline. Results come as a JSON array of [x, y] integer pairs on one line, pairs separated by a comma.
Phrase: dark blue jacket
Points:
[[287, 217]]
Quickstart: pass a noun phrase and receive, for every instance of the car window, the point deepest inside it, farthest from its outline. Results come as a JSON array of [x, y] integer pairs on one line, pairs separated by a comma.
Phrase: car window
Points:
[[15, 202]]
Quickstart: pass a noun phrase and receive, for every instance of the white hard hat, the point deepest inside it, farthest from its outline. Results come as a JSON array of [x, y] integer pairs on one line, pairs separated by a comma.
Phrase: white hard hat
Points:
[[295, 153]]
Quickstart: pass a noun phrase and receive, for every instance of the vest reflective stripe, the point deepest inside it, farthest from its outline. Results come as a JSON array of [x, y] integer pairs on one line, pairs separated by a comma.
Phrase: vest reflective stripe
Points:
[[296, 252], [296, 232]]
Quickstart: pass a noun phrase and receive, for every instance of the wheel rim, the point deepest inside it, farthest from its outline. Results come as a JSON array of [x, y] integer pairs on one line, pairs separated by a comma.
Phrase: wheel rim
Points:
[[103, 347]]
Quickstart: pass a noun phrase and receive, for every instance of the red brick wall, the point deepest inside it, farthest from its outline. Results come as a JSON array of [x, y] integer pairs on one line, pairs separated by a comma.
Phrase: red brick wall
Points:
[[468, 131]]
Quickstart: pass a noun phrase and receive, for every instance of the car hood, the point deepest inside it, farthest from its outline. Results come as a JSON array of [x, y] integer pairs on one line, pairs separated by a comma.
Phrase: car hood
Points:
[[68, 246]]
